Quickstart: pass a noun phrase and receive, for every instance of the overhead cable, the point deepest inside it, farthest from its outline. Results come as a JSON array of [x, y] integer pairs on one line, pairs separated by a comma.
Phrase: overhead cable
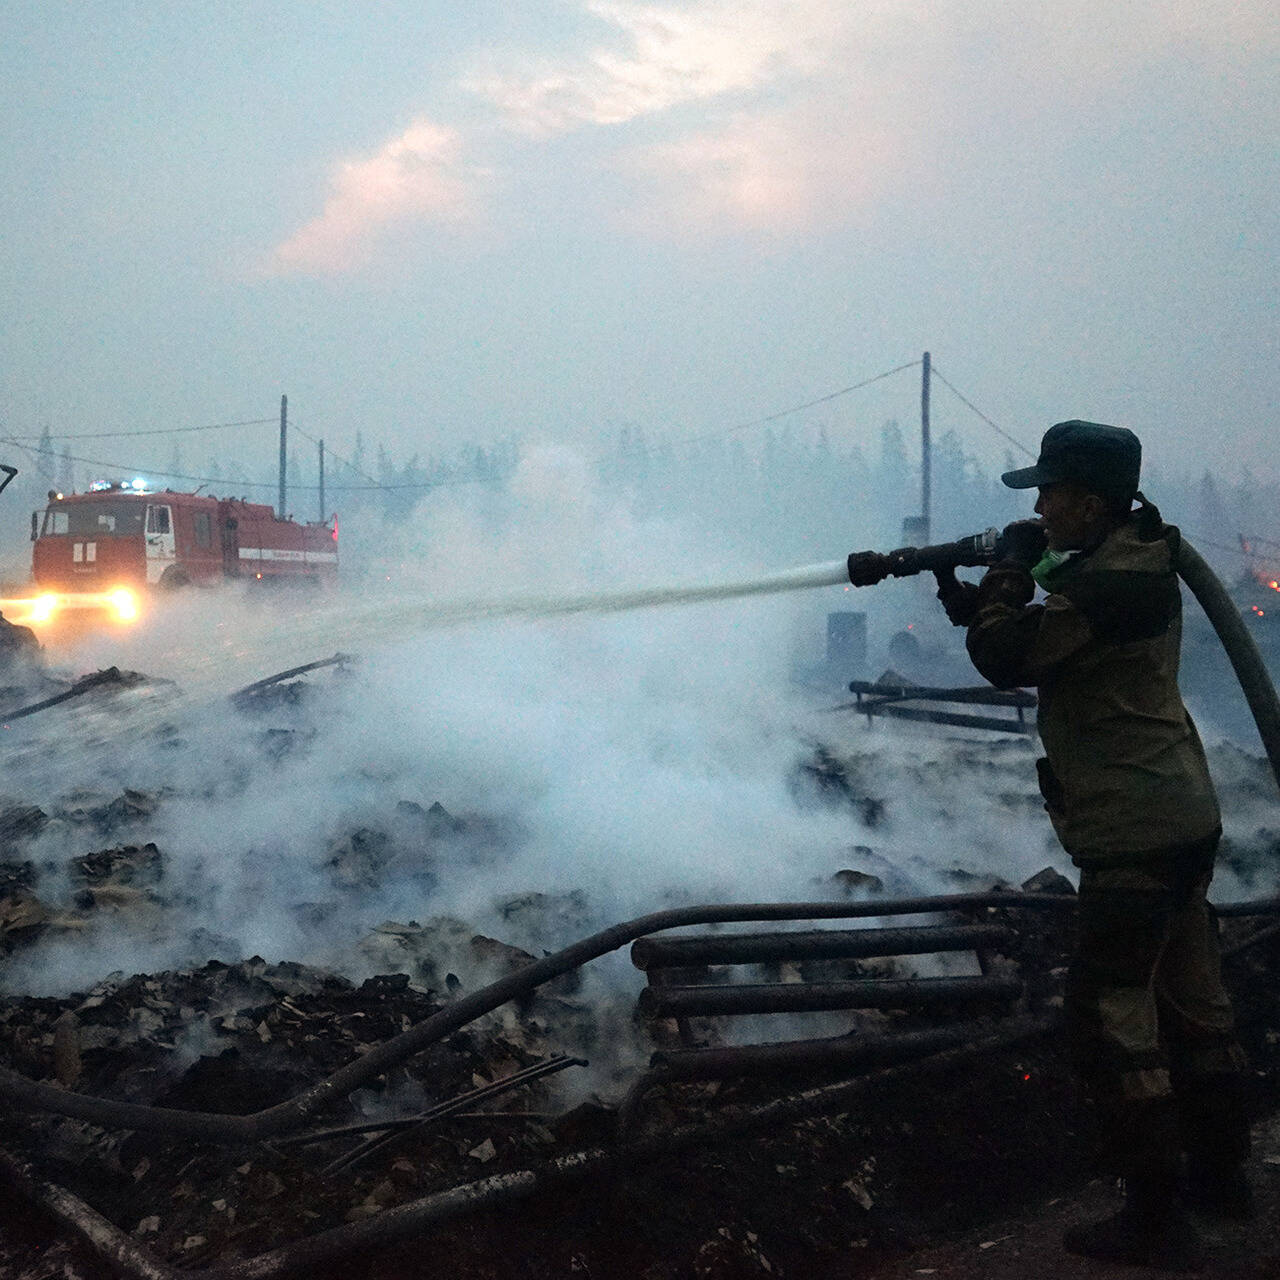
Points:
[[999, 430], [374, 485], [336, 456], [234, 482], [158, 431], [796, 408]]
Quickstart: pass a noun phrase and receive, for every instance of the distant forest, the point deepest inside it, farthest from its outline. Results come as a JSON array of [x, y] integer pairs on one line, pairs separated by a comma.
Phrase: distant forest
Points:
[[777, 496]]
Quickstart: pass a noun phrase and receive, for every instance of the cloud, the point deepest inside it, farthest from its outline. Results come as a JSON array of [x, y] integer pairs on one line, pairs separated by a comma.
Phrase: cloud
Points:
[[673, 55], [754, 173], [784, 139], [776, 116], [415, 177]]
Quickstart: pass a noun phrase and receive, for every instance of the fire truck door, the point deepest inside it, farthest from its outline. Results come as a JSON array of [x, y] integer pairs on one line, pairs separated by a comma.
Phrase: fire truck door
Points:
[[160, 545]]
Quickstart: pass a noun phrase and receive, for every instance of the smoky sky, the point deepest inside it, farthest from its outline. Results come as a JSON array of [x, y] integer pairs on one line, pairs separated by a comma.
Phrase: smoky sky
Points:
[[442, 224]]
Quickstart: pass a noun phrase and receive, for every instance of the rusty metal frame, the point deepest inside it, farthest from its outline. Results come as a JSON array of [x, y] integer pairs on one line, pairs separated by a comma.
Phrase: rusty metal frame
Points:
[[875, 699], [812, 997], [296, 1112]]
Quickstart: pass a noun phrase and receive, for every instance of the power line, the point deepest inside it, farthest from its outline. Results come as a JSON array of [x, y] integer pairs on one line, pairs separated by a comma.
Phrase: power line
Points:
[[121, 469], [374, 485], [20, 442], [159, 431], [345, 462], [798, 408], [235, 483], [1205, 542], [969, 403]]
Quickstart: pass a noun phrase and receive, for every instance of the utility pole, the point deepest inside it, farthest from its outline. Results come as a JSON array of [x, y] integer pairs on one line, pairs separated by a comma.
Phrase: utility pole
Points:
[[322, 482], [284, 427], [926, 452]]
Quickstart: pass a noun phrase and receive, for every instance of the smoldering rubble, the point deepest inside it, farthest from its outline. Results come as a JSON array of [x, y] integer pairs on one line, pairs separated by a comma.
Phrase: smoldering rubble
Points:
[[88, 875]]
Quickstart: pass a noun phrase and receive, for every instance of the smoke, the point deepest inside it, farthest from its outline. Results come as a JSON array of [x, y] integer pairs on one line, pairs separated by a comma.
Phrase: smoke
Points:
[[588, 768]]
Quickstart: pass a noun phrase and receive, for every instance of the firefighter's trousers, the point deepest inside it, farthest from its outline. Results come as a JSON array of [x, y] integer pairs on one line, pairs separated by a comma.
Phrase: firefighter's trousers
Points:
[[1149, 1021]]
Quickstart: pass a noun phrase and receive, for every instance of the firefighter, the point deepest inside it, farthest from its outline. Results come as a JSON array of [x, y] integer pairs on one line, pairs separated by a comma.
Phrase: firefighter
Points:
[[1126, 786]]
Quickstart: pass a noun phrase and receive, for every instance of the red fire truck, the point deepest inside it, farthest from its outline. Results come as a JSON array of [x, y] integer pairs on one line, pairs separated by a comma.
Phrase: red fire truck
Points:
[[107, 548]]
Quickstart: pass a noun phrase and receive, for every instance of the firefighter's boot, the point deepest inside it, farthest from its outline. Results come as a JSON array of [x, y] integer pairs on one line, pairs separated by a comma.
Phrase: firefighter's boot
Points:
[[1153, 1229], [1214, 1116]]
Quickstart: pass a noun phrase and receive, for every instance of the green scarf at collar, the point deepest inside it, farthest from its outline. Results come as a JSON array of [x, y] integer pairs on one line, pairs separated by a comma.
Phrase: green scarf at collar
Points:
[[1051, 566]]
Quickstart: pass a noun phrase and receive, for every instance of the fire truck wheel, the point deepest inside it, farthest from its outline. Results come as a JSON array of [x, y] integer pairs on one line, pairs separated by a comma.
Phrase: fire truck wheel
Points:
[[172, 579]]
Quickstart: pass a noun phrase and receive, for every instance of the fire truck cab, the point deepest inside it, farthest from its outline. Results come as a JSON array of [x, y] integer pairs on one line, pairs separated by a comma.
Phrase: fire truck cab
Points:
[[110, 546]]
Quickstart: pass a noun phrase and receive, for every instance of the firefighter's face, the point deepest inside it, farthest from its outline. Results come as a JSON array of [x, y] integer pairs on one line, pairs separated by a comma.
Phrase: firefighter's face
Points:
[[1072, 517]]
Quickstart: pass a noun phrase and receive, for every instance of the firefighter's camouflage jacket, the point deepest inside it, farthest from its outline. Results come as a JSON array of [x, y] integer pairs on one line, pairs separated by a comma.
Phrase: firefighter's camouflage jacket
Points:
[[1125, 772]]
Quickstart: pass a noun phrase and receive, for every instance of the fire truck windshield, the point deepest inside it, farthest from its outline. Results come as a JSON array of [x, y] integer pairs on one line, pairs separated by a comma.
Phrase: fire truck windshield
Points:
[[94, 519]]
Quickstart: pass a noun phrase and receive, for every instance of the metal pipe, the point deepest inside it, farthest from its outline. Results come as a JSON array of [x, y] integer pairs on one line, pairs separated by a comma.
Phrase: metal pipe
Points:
[[109, 675], [305, 1257], [284, 1117], [724, 1063], [445, 1109], [866, 568], [983, 695], [820, 944], [814, 997], [531, 976], [955, 719], [441, 1109]]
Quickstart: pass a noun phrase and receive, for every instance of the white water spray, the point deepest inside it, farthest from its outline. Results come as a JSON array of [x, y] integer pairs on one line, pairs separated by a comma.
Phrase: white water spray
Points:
[[413, 616], [261, 646]]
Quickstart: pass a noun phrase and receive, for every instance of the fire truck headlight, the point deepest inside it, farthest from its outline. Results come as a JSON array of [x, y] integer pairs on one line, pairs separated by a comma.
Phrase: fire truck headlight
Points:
[[125, 604], [43, 608]]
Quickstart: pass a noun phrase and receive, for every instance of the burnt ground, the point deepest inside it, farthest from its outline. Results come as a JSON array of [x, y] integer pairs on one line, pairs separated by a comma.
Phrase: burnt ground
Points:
[[928, 1161], [903, 1183], [1017, 1247]]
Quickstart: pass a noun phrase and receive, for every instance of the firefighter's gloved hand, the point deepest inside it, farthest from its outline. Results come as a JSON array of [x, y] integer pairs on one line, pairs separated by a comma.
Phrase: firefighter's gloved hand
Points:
[[1006, 583], [959, 599], [1021, 543]]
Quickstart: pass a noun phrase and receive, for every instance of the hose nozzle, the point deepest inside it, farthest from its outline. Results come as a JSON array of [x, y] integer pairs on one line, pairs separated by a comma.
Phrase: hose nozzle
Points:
[[866, 568]]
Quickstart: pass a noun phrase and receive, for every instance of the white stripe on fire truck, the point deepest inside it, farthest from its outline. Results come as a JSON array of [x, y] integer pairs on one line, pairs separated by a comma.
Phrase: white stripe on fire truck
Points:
[[308, 557]]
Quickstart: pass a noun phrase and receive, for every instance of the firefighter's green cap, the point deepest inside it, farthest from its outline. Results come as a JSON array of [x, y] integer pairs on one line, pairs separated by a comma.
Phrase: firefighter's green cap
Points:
[[1105, 460]]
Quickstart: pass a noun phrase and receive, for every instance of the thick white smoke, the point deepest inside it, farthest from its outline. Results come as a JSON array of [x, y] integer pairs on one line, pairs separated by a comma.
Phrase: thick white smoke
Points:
[[632, 760]]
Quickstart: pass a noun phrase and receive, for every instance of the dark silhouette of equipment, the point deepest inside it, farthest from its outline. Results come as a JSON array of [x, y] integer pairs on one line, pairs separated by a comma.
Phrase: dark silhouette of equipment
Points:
[[1023, 541]]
